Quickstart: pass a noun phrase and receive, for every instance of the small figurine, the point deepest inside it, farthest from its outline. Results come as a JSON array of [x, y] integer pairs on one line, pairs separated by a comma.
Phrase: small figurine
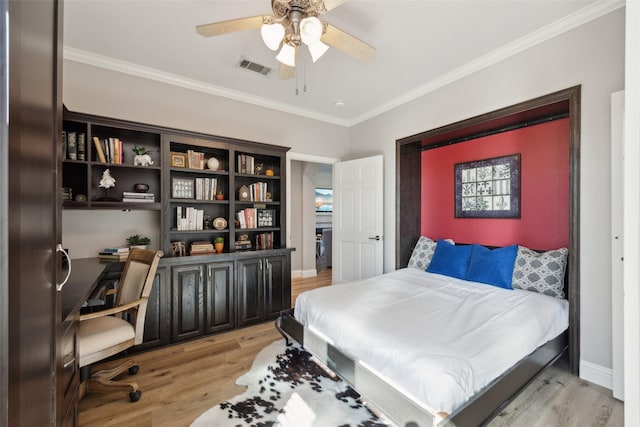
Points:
[[206, 222], [107, 182]]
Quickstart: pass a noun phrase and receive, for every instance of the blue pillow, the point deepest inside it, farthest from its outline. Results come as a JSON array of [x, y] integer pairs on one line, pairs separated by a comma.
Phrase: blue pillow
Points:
[[450, 260], [493, 267]]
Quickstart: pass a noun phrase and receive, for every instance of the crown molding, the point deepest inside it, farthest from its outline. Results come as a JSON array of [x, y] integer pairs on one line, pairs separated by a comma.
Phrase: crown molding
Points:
[[576, 19], [106, 62]]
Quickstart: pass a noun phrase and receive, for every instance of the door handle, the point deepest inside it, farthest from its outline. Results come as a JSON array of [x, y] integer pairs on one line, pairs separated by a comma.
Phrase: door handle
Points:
[[375, 238], [59, 286]]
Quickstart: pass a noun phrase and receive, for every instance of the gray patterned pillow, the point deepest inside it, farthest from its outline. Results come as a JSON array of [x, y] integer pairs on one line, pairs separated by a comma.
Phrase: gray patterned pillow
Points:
[[423, 252], [540, 272]]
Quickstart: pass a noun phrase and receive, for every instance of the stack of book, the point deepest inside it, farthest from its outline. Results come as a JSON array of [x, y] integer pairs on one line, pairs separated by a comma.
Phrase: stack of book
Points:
[[247, 218], [195, 159], [131, 197], [246, 164], [206, 188], [189, 218], [109, 151], [242, 244], [202, 247], [264, 241], [114, 254]]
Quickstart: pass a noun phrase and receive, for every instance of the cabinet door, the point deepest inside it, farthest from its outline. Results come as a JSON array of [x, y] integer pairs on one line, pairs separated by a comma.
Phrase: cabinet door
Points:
[[277, 286], [187, 302], [68, 376], [220, 314], [249, 290], [157, 325]]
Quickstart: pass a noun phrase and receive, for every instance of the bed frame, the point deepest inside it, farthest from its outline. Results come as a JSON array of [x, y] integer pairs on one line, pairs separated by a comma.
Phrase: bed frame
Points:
[[402, 409]]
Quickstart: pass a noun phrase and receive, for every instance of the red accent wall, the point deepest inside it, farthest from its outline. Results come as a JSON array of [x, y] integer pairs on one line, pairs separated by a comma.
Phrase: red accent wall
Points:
[[544, 197]]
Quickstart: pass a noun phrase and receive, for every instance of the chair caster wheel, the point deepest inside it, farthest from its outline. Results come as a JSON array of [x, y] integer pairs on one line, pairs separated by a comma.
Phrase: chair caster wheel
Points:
[[134, 396], [134, 369]]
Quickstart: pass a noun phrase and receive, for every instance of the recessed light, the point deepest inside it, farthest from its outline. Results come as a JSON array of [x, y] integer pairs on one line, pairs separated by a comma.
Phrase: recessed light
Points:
[[339, 104]]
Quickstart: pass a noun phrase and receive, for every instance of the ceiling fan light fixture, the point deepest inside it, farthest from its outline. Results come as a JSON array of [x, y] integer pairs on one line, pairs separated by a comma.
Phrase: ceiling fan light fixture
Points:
[[310, 30], [287, 55], [317, 49], [272, 35]]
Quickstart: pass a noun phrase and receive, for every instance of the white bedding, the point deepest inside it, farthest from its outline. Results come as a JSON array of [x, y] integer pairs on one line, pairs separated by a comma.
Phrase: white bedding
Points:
[[439, 339]]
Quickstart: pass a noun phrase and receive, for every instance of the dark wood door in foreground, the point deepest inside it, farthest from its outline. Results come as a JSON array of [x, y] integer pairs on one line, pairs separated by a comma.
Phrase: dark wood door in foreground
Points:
[[28, 229]]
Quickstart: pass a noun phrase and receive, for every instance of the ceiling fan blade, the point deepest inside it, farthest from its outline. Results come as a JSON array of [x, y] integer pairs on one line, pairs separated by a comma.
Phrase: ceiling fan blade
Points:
[[332, 4], [224, 27], [285, 72], [347, 43]]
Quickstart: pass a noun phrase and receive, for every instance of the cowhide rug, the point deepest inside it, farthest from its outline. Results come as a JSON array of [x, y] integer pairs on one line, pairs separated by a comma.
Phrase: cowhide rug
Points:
[[287, 388]]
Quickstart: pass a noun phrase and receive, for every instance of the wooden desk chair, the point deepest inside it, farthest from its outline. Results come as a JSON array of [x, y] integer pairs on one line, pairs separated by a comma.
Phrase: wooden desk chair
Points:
[[105, 333]]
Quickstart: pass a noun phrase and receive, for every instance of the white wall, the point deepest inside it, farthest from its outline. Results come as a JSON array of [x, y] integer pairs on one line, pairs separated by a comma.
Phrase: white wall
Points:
[[303, 259], [592, 56], [85, 233], [295, 210]]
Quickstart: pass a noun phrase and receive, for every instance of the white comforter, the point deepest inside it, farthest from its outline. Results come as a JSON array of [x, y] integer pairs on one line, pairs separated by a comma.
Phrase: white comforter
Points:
[[439, 339]]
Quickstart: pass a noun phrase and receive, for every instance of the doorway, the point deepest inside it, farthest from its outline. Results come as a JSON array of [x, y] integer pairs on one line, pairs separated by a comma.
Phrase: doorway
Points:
[[309, 232]]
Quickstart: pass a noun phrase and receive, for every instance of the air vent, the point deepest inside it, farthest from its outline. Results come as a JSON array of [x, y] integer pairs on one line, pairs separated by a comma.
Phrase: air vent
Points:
[[252, 66]]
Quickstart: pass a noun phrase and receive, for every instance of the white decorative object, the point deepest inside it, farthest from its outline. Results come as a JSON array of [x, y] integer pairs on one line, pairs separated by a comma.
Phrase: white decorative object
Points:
[[142, 160], [213, 164], [107, 180]]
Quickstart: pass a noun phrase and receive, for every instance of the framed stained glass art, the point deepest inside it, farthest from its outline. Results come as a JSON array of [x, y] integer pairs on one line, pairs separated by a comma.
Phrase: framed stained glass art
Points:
[[488, 188]]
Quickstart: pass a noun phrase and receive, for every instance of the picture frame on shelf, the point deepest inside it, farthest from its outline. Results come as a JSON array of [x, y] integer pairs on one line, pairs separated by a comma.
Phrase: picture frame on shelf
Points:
[[266, 218], [182, 188], [177, 160]]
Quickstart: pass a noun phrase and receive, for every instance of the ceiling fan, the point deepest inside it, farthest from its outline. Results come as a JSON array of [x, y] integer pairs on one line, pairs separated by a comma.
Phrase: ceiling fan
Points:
[[295, 23]]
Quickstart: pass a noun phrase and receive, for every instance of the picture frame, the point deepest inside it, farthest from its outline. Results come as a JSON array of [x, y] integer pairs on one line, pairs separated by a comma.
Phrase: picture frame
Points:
[[488, 188], [177, 160], [266, 218], [182, 188]]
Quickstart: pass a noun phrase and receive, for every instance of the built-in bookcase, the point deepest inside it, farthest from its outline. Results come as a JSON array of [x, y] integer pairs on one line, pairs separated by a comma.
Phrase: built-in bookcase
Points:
[[108, 145], [195, 179]]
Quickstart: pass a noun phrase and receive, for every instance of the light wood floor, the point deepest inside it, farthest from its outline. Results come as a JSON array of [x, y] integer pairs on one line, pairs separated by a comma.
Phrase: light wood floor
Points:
[[182, 381]]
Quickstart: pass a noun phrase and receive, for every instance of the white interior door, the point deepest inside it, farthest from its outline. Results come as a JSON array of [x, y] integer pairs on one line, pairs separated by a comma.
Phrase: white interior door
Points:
[[358, 244], [617, 244]]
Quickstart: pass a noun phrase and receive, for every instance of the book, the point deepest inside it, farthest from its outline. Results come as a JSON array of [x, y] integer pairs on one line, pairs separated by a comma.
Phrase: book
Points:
[[115, 257], [130, 195], [96, 142], [81, 146], [71, 146], [116, 250], [135, 200], [64, 145]]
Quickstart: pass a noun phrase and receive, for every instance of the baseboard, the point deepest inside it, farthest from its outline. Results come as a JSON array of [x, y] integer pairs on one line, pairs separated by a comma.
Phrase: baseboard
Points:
[[596, 374], [303, 274]]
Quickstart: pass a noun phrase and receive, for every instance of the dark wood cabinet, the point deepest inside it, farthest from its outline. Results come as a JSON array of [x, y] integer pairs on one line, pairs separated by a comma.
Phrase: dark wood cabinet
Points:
[[187, 302], [277, 288], [264, 287], [157, 326], [249, 285], [219, 297]]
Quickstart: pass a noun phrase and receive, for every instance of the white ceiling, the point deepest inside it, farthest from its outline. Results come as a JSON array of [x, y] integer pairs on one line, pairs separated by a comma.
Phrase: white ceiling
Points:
[[421, 45]]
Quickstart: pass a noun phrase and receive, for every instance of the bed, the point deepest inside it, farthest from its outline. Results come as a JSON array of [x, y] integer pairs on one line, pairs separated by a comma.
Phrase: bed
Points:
[[429, 349]]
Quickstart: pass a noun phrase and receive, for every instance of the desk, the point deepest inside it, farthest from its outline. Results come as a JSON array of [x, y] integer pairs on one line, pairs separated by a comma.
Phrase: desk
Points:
[[86, 275]]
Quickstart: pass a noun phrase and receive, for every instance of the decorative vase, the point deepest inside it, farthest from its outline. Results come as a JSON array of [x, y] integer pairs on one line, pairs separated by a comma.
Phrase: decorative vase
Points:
[[219, 247], [219, 196], [140, 187], [138, 246], [213, 164]]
